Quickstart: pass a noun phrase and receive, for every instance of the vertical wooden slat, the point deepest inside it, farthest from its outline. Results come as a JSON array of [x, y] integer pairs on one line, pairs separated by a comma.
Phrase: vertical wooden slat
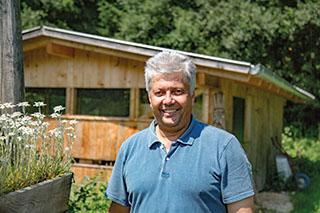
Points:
[[71, 95], [207, 106], [133, 104], [218, 115], [137, 103]]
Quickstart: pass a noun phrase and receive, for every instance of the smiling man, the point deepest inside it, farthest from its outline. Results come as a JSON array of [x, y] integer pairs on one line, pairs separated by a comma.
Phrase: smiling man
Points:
[[179, 164]]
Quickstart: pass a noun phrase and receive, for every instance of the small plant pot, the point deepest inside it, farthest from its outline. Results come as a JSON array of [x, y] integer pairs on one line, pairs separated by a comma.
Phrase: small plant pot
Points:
[[50, 196]]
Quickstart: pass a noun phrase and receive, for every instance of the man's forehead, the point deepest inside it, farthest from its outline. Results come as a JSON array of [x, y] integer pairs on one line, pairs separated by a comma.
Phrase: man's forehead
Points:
[[176, 76]]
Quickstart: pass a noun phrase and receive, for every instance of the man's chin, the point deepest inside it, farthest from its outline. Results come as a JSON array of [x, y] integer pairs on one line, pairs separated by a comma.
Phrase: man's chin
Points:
[[169, 123]]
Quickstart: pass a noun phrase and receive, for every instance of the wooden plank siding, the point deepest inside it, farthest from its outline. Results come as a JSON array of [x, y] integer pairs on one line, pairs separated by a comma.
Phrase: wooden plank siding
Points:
[[99, 138], [82, 170], [263, 120], [84, 70]]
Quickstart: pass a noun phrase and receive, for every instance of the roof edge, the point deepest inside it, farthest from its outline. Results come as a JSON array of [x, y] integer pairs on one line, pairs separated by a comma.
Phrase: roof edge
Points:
[[262, 72], [240, 66]]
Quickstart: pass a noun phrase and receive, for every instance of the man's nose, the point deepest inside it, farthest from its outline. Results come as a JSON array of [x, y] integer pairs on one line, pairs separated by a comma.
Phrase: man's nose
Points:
[[168, 99]]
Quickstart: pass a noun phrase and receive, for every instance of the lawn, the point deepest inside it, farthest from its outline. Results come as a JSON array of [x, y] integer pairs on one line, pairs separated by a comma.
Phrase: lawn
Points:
[[306, 154], [308, 201]]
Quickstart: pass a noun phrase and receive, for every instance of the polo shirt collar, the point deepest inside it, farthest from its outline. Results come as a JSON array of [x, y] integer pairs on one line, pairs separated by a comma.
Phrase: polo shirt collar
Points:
[[185, 138]]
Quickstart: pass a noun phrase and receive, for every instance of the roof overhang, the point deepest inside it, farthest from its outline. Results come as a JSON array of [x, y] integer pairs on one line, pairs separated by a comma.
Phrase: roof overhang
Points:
[[254, 75]]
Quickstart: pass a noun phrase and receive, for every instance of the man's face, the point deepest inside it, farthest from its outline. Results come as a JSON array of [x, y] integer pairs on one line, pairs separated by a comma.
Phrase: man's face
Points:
[[171, 101]]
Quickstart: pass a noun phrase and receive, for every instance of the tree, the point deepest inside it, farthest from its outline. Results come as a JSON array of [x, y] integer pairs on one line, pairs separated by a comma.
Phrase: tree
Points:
[[11, 54]]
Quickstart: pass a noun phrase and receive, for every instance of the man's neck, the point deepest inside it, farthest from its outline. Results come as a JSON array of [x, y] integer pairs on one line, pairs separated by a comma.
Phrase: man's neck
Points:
[[167, 136]]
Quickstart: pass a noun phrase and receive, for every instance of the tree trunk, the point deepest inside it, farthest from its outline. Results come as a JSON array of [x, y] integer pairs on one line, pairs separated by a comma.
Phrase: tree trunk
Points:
[[11, 53]]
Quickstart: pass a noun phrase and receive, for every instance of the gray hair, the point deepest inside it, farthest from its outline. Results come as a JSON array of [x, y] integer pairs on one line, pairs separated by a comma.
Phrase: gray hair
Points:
[[170, 62]]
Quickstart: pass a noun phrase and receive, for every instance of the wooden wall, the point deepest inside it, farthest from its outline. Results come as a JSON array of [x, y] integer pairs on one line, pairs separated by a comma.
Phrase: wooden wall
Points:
[[98, 139], [83, 70], [87, 170], [263, 120]]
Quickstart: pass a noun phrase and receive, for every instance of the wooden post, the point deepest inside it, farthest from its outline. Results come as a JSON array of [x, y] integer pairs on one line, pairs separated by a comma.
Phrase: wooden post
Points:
[[207, 106], [11, 53], [219, 119], [71, 99], [133, 99]]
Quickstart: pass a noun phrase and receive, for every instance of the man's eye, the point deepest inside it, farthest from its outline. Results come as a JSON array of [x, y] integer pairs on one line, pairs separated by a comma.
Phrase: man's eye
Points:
[[178, 92], [158, 93]]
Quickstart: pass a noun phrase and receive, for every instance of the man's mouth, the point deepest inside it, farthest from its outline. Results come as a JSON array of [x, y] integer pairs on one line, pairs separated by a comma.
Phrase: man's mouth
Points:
[[169, 110]]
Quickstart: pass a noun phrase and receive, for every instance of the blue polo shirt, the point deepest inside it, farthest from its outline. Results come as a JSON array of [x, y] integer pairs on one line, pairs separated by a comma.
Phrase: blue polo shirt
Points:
[[204, 169]]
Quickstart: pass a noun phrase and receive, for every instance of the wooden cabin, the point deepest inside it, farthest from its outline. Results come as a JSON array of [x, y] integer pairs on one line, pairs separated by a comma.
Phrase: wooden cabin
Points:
[[100, 81]]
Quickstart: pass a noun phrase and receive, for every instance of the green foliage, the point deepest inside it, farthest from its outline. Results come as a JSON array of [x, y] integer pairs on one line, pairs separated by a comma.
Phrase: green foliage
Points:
[[305, 153], [88, 196], [276, 183], [80, 15]]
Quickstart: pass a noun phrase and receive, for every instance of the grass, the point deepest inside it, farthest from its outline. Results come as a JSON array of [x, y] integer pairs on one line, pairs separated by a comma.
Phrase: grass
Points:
[[308, 200], [306, 154]]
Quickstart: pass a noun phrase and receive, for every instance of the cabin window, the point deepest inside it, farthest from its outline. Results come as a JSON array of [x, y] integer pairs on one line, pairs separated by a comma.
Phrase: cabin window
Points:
[[103, 102], [50, 96], [238, 118]]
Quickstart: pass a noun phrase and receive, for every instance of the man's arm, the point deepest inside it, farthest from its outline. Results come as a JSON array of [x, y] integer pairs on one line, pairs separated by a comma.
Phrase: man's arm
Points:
[[242, 206], [117, 208]]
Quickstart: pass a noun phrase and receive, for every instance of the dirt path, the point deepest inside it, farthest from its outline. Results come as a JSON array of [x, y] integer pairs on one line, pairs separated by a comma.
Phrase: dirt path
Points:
[[273, 202]]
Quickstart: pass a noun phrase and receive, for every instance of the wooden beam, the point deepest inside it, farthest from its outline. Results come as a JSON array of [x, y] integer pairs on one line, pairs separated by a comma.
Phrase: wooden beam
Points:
[[207, 106], [227, 74], [34, 43], [133, 98], [60, 50], [71, 101], [137, 102], [201, 79], [103, 50]]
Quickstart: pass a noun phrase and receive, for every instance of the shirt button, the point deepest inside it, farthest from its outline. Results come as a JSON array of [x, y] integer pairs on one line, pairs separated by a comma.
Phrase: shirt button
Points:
[[161, 146], [167, 158]]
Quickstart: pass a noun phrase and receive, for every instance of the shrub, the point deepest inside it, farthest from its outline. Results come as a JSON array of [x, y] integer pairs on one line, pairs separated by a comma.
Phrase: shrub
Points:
[[88, 196], [29, 152]]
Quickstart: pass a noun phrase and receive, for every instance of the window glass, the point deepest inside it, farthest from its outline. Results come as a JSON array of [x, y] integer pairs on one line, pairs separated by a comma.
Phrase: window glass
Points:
[[238, 118], [50, 96], [103, 102]]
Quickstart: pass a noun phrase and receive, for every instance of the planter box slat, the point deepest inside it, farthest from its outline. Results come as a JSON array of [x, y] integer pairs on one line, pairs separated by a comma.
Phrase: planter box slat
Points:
[[51, 196]]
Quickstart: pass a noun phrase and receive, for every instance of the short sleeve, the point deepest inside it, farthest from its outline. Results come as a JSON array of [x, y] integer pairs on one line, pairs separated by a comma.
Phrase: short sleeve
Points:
[[236, 173], [116, 189]]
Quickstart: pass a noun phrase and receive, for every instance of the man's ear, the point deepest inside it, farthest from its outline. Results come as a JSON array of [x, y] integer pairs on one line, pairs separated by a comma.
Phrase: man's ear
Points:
[[193, 97], [149, 99]]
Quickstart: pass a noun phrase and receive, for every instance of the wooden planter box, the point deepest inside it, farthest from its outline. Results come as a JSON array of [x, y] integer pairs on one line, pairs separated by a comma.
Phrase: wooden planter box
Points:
[[51, 196]]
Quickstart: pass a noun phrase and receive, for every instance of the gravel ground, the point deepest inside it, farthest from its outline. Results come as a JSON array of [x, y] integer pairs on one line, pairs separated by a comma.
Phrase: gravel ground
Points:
[[273, 202]]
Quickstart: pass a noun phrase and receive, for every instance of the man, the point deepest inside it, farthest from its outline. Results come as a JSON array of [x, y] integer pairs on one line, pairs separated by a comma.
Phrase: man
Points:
[[179, 164]]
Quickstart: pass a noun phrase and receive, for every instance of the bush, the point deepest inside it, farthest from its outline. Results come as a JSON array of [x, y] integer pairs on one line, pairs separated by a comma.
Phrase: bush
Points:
[[88, 196]]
